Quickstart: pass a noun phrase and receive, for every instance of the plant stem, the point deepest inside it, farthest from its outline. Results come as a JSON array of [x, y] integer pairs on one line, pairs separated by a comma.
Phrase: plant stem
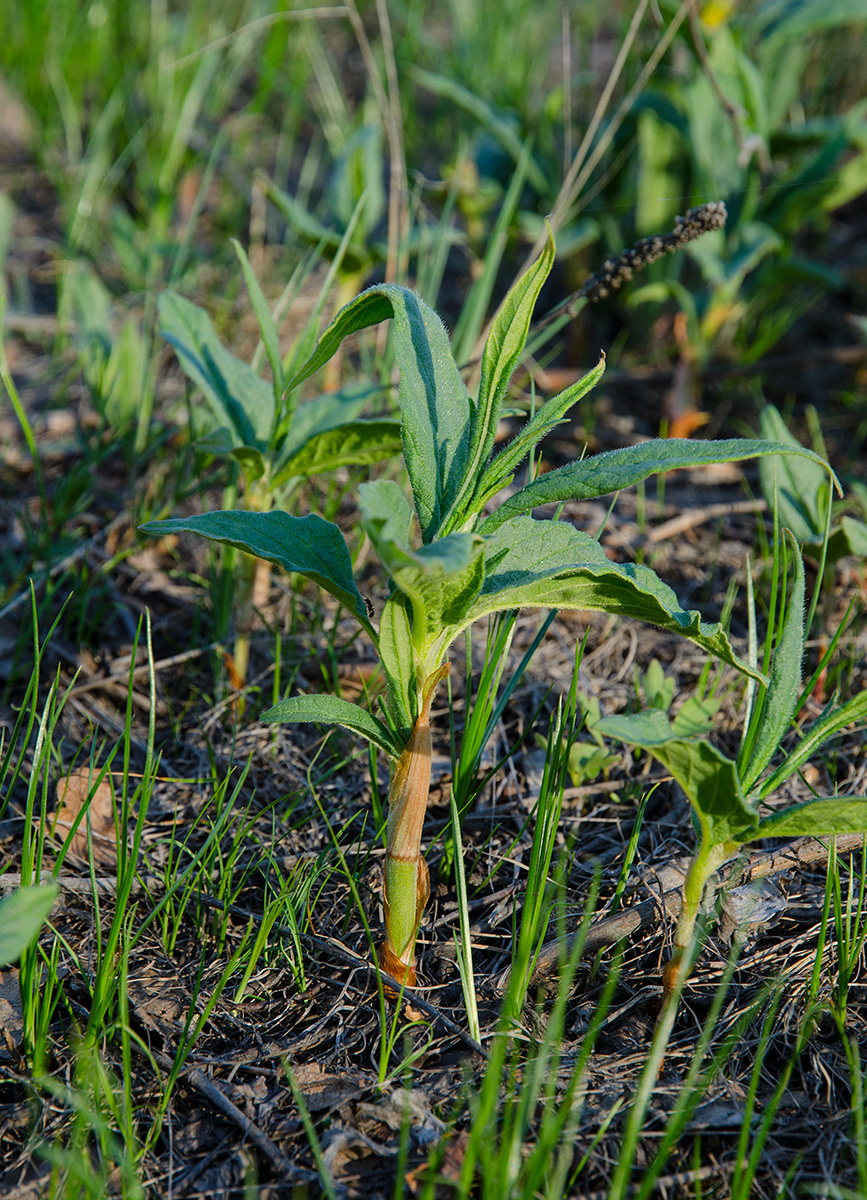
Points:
[[707, 861], [407, 884]]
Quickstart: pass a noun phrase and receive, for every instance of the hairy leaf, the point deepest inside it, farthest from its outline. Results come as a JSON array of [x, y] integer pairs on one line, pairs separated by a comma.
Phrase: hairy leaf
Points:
[[503, 350], [22, 915], [238, 397], [828, 725], [547, 564], [501, 469], [795, 486], [817, 818], [708, 778], [309, 545], [621, 468], [435, 405], [398, 660], [359, 444], [333, 710], [442, 581], [386, 516]]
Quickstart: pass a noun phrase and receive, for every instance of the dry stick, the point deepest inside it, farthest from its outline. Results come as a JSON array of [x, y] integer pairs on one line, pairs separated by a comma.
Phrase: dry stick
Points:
[[698, 516], [806, 851], [208, 1088]]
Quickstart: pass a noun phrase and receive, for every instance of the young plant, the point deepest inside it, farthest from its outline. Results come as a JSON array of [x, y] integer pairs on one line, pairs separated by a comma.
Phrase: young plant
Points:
[[460, 565], [257, 423], [726, 795]]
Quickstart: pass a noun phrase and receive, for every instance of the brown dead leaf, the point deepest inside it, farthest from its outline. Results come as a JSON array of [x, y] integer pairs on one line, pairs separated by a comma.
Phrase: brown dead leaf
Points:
[[322, 1089], [72, 793], [11, 1018]]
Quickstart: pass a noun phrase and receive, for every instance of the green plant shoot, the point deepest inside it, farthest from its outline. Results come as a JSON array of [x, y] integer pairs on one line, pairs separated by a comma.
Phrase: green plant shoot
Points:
[[727, 796], [449, 563]]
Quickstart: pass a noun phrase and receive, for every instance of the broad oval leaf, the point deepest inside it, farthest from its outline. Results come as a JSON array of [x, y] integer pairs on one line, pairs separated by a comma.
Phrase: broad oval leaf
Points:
[[550, 564], [333, 710], [503, 349], [616, 469], [309, 545]]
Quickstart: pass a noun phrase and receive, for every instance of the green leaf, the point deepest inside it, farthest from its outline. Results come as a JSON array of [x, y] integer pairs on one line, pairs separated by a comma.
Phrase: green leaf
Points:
[[398, 660], [435, 405], [793, 485], [359, 444], [501, 469], [817, 818], [831, 722], [252, 462], [22, 915], [503, 350], [547, 564], [308, 545], [442, 581], [708, 778], [238, 398], [332, 710], [323, 413], [386, 517], [855, 533], [618, 469], [781, 697], [267, 328]]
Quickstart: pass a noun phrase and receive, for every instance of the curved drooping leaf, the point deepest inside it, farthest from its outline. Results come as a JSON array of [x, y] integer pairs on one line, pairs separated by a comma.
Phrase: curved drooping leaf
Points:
[[22, 915], [238, 397], [501, 469], [333, 710], [309, 545], [616, 469], [503, 349], [709, 779], [781, 697], [817, 818], [359, 444], [548, 564], [435, 405]]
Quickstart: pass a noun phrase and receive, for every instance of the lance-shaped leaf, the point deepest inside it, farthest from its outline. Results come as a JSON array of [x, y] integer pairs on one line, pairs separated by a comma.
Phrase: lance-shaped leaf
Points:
[[358, 444], [267, 328], [817, 818], [781, 697], [501, 469], [503, 349], [547, 564], [830, 723], [709, 779], [309, 545], [398, 660], [238, 397], [332, 710], [616, 469], [435, 405]]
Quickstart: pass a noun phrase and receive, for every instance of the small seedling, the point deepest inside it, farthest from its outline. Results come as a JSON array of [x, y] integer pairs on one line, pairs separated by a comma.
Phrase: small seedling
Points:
[[727, 796], [460, 565]]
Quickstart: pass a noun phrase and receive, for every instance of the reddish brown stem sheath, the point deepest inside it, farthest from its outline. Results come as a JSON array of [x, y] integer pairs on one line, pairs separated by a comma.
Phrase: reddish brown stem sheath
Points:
[[406, 876]]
